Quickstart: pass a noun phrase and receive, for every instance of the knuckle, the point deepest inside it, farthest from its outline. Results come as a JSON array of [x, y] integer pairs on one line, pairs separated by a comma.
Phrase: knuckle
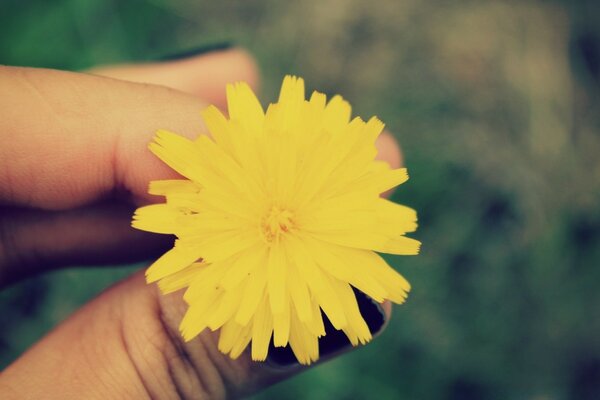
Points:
[[168, 367]]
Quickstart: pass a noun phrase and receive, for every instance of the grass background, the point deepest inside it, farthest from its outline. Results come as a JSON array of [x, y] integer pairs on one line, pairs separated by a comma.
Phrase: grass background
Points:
[[496, 106]]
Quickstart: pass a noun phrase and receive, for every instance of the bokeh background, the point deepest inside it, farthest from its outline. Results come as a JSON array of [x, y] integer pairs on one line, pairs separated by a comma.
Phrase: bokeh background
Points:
[[496, 105]]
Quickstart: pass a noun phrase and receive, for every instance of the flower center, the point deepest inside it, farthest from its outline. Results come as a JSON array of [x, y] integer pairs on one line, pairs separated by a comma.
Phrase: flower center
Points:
[[277, 222]]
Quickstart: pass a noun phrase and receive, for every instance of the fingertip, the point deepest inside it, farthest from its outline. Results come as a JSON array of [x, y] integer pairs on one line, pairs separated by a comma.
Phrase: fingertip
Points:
[[389, 150], [249, 69], [203, 75], [212, 72]]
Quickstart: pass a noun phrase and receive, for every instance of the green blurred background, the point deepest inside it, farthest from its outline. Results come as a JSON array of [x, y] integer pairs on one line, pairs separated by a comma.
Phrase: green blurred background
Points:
[[496, 105]]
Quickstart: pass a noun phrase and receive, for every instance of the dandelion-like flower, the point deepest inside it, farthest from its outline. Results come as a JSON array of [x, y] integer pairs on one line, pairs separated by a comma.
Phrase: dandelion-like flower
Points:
[[279, 216]]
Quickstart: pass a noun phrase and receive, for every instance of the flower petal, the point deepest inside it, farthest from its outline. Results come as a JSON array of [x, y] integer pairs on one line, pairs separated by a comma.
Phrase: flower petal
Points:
[[339, 262], [180, 279], [194, 321], [304, 344], [357, 329], [299, 293], [337, 114], [158, 218], [276, 278], [176, 259], [170, 186], [262, 330], [400, 219], [319, 284], [178, 152], [281, 325], [254, 292], [401, 245], [244, 108]]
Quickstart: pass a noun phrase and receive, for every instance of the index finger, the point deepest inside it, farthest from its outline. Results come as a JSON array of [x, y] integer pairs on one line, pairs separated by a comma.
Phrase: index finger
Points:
[[70, 138]]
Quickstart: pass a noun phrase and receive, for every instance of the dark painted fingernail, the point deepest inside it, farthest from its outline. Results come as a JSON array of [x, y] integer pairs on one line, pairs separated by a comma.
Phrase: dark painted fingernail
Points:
[[371, 311], [207, 48], [334, 340]]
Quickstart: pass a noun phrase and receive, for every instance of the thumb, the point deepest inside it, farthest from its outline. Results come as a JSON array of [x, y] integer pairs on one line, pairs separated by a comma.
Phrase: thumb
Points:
[[125, 344]]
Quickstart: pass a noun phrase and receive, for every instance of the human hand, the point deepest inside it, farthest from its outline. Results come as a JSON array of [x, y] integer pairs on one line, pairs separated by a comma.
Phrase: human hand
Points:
[[73, 165]]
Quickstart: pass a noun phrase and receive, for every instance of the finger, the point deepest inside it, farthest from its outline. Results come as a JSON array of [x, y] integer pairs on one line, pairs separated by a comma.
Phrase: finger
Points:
[[33, 240], [201, 75], [73, 138], [125, 344]]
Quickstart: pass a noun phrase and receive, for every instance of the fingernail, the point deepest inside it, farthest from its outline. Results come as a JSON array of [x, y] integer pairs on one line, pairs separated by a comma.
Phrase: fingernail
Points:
[[334, 341], [207, 48], [371, 311]]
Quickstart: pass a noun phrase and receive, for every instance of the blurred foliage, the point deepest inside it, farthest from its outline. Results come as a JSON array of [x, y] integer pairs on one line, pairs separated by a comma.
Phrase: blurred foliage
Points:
[[496, 106]]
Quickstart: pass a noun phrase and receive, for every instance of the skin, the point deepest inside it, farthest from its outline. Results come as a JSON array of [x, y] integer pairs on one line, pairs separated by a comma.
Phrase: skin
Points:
[[73, 166]]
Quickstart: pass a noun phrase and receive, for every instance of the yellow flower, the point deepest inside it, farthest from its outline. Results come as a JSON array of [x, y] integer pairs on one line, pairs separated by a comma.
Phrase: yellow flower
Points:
[[279, 217]]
